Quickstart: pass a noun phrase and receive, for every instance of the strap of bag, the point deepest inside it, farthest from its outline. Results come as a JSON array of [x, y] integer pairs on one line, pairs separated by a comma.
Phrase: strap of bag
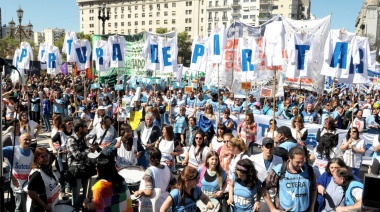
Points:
[[104, 135]]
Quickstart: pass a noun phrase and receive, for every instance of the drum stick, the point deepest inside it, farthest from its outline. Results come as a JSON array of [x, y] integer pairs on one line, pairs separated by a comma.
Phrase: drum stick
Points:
[[88, 187]]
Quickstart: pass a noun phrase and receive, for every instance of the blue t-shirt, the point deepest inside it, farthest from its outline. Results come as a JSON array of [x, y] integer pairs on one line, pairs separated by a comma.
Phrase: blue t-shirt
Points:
[[8, 153], [211, 187], [190, 203], [244, 198]]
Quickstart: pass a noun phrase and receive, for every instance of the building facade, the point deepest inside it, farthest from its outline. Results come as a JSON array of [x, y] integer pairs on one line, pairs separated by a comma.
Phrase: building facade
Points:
[[195, 17], [49, 36], [368, 22]]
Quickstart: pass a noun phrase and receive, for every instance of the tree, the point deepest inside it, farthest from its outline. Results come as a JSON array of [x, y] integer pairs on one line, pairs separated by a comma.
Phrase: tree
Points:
[[184, 45], [8, 47], [161, 30]]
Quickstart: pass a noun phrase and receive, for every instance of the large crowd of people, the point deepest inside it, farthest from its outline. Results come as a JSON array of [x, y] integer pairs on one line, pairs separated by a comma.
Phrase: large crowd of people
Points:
[[191, 151]]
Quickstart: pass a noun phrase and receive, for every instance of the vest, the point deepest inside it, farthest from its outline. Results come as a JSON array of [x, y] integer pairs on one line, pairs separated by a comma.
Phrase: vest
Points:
[[308, 117], [126, 158], [51, 189], [179, 124], [349, 199], [190, 102], [21, 168], [294, 189], [58, 106], [200, 103], [288, 145]]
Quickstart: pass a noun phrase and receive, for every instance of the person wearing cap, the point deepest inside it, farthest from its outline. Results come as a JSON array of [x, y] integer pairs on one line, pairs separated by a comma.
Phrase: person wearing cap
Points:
[[256, 108], [265, 161]]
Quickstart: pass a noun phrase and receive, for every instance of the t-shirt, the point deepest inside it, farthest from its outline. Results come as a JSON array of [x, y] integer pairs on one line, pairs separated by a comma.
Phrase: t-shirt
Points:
[[37, 184], [190, 200]]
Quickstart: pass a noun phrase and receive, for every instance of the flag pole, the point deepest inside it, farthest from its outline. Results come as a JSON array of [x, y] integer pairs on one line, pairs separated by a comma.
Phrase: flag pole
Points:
[[218, 98], [274, 97]]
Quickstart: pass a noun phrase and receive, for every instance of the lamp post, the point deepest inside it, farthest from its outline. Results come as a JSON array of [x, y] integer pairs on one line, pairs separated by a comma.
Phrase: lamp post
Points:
[[18, 30], [103, 16]]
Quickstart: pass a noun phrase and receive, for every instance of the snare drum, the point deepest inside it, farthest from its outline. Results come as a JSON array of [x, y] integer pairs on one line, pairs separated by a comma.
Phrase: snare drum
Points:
[[203, 208], [63, 208], [132, 176]]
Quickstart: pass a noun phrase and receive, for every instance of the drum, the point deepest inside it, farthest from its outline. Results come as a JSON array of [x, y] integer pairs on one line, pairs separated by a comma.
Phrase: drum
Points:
[[132, 176], [203, 208], [63, 208]]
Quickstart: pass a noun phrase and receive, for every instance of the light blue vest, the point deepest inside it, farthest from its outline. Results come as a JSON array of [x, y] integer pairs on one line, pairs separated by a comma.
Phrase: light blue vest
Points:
[[179, 124], [288, 145], [349, 199], [294, 189], [190, 102]]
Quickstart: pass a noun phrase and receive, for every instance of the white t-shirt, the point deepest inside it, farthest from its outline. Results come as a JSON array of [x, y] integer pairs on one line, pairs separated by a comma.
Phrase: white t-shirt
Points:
[[29, 129], [351, 158]]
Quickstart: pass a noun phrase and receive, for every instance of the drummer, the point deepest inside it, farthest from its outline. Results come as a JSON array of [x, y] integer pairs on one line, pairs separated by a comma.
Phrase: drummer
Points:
[[126, 148], [23, 157]]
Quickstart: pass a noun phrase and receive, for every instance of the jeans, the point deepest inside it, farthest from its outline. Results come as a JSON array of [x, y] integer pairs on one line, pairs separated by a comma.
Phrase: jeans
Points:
[[46, 121], [75, 200], [143, 159], [20, 199], [35, 116], [63, 167]]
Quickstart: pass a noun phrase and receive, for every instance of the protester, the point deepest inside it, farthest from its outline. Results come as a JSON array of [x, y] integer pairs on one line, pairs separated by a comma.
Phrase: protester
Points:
[[353, 190], [247, 131], [271, 132], [20, 158], [283, 142], [110, 190], [217, 140], [43, 187], [169, 147], [353, 148], [295, 183], [238, 150], [188, 133], [186, 192], [197, 152]]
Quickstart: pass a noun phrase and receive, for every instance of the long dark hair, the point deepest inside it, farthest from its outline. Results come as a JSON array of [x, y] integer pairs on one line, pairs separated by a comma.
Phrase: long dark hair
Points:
[[200, 150], [348, 135], [107, 171], [218, 168], [326, 144], [155, 156], [188, 173], [246, 166]]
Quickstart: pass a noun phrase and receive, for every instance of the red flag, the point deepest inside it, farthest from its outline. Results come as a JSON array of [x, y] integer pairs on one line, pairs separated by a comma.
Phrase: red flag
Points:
[[89, 74]]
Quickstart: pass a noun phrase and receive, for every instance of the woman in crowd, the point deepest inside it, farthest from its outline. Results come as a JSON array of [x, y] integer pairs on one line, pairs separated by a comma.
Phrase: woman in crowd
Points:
[[188, 134], [299, 132], [208, 125], [329, 194], [35, 109], [157, 117], [328, 127], [244, 190], [168, 146], [239, 151], [271, 132], [43, 187], [197, 152], [110, 191], [212, 178], [107, 103], [29, 126], [247, 131], [156, 175], [372, 125], [186, 193], [236, 108], [62, 129], [119, 114], [353, 148], [323, 152], [217, 140], [227, 121]]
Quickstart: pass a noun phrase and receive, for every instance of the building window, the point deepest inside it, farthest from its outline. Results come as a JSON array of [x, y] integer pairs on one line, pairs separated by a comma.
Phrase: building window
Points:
[[129, 15], [157, 21], [143, 15], [225, 3], [201, 11], [158, 6], [166, 13], [189, 20], [150, 29], [142, 22], [129, 31], [173, 4], [274, 7], [173, 21], [165, 21], [245, 16], [136, 8], [166, 5], [136, 30], [115, 25], [173, 13], [136, 23], [143, 7], [150, 14], [210, 3], [252, 17], [188, 3], [122, 16], [216, 3], [122, 24], [188, 29], [109, 24], [129, 23], [136, 15], [201, 20], [190, 11], [150, 22], [158, 14], [129, 8]]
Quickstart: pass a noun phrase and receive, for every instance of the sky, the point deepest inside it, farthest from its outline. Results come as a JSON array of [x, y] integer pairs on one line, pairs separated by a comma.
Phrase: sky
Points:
[[64, 14]]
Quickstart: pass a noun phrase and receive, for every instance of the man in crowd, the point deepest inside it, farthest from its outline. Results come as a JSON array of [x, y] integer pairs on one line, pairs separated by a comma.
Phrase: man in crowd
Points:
[[283, 142]]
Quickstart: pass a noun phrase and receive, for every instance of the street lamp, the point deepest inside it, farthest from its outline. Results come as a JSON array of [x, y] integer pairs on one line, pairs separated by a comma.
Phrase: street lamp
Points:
[[18, 30], [102, 15]]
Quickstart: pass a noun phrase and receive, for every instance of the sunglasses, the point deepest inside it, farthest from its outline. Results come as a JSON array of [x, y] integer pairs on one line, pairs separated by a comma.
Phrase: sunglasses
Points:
[[354, 131], [198, 138]]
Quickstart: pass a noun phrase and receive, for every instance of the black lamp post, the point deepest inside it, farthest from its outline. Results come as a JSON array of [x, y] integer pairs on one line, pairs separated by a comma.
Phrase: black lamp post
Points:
[[18, 30], [103, 16]]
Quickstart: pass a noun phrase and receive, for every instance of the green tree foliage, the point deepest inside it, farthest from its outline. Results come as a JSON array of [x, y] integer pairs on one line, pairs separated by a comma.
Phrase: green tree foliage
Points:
[[161, 30], [8, 46], [184, 46]]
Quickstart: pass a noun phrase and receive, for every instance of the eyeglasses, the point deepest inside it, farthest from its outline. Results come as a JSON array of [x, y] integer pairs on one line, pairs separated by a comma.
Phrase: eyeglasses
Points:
[[198, 138]]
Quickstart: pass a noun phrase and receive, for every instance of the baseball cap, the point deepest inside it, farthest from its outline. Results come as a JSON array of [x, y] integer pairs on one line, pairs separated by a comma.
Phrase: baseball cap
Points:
[[267, 141], [257, 104]]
